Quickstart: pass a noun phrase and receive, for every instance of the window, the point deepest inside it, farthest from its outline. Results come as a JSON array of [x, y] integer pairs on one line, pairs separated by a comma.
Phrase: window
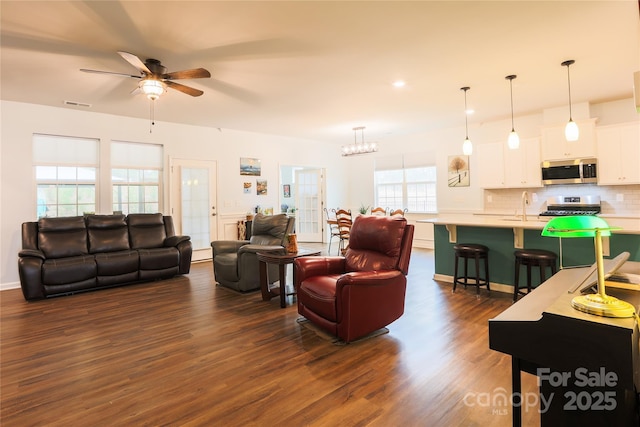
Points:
[[399, 186], [66, 169], [136, 177]]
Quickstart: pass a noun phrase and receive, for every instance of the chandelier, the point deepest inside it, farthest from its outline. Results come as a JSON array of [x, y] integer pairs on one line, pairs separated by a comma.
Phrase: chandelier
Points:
[[359, 147]]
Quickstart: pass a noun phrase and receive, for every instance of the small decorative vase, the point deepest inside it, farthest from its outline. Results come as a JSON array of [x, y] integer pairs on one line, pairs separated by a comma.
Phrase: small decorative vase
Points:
[[292, 247]]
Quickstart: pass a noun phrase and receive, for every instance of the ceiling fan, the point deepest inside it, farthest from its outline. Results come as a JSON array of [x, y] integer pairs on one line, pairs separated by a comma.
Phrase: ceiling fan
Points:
[[154, 78]]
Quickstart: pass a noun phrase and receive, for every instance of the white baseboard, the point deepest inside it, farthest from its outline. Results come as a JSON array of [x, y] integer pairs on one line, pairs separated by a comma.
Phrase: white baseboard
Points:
[[11, 285], [499, 287]]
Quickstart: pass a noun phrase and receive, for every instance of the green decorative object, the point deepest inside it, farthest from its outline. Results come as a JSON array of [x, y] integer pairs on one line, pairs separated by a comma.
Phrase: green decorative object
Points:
[[599, 304]]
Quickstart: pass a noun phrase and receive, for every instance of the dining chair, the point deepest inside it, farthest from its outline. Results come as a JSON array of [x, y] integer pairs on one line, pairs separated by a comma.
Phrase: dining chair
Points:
[[345, 221], [332, 224], [398, 212], [378, 211]]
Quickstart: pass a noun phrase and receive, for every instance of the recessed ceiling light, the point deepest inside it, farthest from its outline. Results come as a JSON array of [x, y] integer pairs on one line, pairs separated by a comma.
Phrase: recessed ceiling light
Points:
[[469, 111], [399, 83]]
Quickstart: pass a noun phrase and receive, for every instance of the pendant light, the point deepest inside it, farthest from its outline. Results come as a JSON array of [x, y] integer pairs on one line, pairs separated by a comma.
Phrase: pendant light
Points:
[[514, 140], [467, 147], [571, 131]]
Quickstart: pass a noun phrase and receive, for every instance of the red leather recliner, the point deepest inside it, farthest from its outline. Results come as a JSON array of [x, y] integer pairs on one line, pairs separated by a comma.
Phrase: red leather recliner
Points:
[[363, 291]]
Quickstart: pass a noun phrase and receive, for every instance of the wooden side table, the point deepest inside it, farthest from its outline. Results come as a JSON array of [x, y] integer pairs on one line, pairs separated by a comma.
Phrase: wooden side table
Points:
[[282, 260]]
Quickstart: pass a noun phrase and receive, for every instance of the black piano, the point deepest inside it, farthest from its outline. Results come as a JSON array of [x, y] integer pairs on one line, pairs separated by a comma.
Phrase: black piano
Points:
[[588, 366]]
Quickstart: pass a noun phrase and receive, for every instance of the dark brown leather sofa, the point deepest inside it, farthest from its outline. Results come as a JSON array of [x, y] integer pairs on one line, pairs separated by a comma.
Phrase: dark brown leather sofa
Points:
[[73, 254]]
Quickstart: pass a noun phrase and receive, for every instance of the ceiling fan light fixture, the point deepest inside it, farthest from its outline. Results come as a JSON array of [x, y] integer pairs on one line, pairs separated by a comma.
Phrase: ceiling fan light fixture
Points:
[[152, 88]]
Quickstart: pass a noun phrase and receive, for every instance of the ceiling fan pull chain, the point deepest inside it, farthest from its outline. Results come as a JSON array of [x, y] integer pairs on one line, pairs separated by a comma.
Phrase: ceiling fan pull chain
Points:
[[152, 114]]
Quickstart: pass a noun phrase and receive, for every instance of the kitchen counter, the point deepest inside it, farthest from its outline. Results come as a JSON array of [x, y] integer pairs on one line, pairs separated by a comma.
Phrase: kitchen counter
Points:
[[504, 234]]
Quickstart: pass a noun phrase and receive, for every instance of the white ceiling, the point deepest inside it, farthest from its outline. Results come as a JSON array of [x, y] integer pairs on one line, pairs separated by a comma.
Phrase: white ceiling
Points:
[[315, 70]]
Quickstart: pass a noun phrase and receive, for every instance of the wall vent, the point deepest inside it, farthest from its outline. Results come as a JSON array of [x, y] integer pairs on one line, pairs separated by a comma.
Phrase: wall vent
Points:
[[77, 104]]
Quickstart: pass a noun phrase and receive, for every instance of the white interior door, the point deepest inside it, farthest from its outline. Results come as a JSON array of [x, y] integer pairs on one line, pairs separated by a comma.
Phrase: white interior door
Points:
[[193, 203], [308, 200]]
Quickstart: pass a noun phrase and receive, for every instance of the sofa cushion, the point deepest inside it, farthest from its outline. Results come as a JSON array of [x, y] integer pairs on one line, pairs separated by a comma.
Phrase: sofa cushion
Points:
[[158, 258], [116, 263], [146, 230], [107, 233], [63, 271], [62, 237]]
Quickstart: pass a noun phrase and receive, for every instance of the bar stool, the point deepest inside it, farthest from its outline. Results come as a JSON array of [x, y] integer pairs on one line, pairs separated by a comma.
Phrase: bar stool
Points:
[[532, 258], [471, 251]]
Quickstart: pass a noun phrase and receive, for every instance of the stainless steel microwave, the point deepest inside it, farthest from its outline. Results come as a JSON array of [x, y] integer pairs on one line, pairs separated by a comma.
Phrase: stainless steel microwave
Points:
[[575, 171]]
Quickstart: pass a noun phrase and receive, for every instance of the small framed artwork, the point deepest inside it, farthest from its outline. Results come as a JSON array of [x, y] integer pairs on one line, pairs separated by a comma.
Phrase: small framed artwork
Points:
[[249, 166], [261, 187], [458, 169], [246, 188], [286, 190]]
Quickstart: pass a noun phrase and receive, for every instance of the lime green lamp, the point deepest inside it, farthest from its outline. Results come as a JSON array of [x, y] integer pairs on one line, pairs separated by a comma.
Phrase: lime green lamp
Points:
[[599, 304]]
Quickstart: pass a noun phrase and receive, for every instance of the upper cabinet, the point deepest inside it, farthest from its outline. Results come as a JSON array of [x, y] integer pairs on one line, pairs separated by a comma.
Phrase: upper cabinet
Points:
[[618, 154], [556, 147], [501, 167], [522, 165], [490, 165]]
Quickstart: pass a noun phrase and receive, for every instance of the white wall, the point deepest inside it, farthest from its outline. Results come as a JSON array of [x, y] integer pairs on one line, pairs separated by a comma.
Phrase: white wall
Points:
[[20, 121], [349, 179]]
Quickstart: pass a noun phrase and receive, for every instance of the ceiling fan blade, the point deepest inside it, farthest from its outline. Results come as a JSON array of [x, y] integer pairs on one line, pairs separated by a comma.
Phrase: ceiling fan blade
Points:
[[135, 61], [109, 72], [196, 73], [184, 89]]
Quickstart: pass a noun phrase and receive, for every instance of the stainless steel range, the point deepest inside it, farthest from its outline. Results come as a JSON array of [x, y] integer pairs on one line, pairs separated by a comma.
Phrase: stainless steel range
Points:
[[572, 205]]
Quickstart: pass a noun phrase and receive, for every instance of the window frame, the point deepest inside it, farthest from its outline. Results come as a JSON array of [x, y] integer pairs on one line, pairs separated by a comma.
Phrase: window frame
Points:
[[405, 184]]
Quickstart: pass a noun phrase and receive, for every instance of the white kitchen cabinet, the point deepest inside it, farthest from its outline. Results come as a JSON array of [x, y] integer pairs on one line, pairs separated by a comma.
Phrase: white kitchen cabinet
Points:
[[618, 154], [556, 147], [522, 166], [490, 165]]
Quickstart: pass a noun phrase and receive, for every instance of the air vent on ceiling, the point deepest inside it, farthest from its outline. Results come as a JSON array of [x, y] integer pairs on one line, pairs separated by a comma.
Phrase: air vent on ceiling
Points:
[[77, 104]]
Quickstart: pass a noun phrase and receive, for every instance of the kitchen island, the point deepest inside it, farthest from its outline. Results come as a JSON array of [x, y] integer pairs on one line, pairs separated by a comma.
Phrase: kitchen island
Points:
[[504, 234]]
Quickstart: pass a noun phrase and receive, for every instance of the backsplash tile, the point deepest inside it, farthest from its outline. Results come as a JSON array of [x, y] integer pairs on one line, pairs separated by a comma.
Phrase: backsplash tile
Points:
[[509, 201]]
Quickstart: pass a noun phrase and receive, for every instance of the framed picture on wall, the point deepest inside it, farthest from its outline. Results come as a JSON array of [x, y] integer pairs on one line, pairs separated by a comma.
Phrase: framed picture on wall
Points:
[[249, 166], [261, 187], [286, 190], [246, 188], [458, 171]]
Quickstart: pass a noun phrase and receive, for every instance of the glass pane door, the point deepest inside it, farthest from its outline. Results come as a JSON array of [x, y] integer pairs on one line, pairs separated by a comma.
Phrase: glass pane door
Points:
[[193, 203]]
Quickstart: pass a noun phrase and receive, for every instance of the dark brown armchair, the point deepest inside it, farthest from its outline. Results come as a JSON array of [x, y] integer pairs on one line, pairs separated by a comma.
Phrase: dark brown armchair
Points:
[[363, 291], [235, 263]]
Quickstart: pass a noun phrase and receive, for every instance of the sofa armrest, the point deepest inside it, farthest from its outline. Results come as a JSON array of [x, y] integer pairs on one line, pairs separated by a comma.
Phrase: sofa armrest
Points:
[[318, 266], [24, 253], [175, 240], [227, 246]]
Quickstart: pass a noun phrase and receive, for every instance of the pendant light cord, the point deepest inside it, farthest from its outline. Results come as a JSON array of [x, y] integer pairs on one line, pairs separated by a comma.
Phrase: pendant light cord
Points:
[[511, 89], [567, 64], [466, 126]]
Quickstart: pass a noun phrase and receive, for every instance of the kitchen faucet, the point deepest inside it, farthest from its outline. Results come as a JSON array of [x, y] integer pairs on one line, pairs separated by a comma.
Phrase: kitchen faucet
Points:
[[525, 202]]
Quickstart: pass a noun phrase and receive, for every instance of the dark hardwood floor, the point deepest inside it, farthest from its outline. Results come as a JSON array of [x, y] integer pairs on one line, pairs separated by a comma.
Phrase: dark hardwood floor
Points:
[[186, 352]]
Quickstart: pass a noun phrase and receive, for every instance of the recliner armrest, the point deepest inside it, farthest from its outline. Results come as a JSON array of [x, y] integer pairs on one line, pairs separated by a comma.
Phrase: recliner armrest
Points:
[[369, 278], [260, 248], [175, 240], [31, 253], [227, 246], [318, 266]]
